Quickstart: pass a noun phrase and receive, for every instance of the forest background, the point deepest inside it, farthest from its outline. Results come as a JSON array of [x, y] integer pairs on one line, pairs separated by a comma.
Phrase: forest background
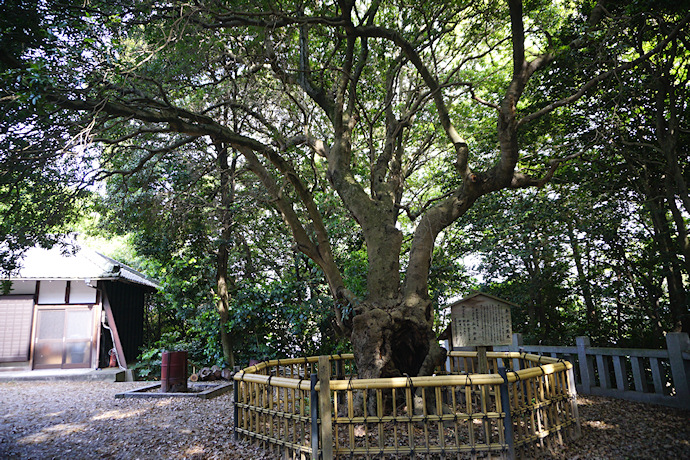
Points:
[[588, 237]]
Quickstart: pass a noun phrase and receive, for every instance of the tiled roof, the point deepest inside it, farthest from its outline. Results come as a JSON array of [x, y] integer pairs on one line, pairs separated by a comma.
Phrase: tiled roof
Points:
[[85, 263]]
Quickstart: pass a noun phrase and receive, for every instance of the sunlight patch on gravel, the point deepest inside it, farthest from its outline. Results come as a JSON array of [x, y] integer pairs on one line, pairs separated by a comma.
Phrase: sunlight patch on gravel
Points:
[[599, 425], [165, 402], [63, 429], [194, 451], [118, 414]]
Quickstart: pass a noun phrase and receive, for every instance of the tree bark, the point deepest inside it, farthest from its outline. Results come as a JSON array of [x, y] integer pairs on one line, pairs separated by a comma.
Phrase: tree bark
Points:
[[591, 311], [222, 279], [668, 133], [669, 256]]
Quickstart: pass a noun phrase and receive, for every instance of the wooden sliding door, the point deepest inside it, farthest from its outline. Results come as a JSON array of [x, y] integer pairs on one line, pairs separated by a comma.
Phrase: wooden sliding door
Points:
[[64, 337]]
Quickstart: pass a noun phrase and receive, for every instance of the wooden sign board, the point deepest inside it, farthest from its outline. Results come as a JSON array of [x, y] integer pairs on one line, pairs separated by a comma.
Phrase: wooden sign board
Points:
[[481, 321]]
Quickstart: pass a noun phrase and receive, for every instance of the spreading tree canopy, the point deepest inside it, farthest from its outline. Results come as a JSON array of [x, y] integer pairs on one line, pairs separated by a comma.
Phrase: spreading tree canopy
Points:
[[405, 113]]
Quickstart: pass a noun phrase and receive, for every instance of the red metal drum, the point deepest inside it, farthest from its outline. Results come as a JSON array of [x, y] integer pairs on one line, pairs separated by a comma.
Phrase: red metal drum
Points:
[[173, 371]]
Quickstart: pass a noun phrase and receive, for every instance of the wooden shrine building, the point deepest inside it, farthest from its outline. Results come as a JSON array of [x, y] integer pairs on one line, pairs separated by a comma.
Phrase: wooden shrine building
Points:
[[68, 311]]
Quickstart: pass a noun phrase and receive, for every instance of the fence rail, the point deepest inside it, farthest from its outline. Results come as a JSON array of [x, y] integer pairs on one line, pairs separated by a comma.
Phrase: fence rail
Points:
[[653, 376], [316, 407]]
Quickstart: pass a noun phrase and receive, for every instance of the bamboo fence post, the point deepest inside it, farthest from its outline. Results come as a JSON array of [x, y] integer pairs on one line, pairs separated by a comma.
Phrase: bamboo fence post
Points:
[[339, 375], [507, 421], [314, 408], [324, 373], [483, 365], [236, 409]]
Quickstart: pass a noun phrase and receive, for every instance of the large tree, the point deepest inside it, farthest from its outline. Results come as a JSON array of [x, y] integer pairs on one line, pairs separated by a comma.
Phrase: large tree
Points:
[[40, 184], [373, 102], [635, 128]]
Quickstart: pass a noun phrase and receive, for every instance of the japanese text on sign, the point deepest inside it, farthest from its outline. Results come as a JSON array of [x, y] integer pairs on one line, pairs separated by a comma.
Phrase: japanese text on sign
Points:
[[481, 325]]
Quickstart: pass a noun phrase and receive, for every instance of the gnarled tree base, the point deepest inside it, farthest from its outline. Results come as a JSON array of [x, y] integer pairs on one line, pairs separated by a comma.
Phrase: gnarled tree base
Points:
[[395, 340]]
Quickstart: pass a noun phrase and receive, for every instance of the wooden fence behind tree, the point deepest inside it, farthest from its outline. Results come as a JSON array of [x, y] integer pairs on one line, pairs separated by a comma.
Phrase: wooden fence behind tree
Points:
[[652, 376], [316, 407]]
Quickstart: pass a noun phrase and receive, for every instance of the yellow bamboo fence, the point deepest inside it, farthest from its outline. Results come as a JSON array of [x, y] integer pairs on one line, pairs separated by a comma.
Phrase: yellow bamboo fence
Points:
[[317, 408]]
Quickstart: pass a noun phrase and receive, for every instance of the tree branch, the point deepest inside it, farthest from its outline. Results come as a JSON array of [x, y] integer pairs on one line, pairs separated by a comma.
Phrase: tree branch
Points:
[[603, 76], [142, 161], [461, 148], [521, 180]]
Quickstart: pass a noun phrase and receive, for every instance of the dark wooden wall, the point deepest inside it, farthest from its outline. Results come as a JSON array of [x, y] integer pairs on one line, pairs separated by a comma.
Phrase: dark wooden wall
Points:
[[127, 301]]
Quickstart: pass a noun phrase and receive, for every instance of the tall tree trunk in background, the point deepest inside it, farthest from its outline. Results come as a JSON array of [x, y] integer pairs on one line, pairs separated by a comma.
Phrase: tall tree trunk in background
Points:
[[668, 135], [224, 282], [535, 297], [591, 311], [669, 255], [681, 227], [668, 105]]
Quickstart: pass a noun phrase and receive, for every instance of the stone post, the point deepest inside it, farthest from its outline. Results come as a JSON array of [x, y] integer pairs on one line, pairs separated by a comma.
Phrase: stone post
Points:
[[678, 343], [586, 363], [517, 342], [515, 346]]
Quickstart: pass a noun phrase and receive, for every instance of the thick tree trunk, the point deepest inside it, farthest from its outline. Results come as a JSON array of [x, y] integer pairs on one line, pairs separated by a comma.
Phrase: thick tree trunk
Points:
[[392, 334], [383, 254], [392, 331], [394, 339], [222, 279]]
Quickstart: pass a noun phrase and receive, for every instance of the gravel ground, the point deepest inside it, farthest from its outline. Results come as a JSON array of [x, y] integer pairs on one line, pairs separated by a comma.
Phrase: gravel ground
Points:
[[617, 429], [83, 420]]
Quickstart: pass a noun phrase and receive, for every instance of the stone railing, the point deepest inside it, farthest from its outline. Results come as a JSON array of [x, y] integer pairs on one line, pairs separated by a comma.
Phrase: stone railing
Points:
[[652, 376]]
